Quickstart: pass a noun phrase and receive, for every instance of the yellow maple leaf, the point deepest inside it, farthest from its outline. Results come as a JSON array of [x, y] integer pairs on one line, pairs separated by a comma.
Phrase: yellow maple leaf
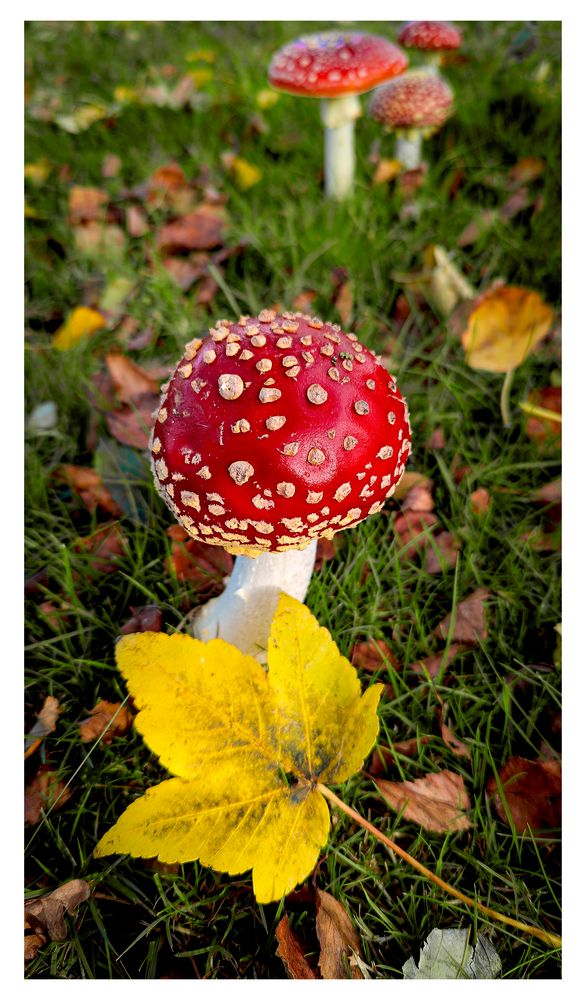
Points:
[[82, 322], [504, 328], [247, 746]]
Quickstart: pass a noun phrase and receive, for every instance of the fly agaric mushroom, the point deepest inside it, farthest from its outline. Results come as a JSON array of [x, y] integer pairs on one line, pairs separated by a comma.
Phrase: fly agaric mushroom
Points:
[[414, 107], [271, 433], [336, 67], [432, 37]]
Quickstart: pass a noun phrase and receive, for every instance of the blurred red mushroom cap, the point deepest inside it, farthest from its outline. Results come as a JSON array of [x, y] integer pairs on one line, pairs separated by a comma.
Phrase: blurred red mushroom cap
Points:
[[333, 64], [276, 430], [429, 35], [416, 100]]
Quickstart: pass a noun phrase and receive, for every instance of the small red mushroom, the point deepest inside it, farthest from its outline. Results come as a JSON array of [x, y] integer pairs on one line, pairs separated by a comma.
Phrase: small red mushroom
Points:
[[432, 37], [414, 106], [336, 66], [272, 432]]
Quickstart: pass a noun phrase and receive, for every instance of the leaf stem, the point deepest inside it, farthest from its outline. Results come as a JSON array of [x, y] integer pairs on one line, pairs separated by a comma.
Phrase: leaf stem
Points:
[[551, 939], [541, 411], [505, 397]]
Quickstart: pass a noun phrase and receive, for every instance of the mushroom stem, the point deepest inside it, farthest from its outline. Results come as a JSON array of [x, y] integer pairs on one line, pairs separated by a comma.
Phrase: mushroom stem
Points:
[[242, 614], [408, 148], [338, 116]]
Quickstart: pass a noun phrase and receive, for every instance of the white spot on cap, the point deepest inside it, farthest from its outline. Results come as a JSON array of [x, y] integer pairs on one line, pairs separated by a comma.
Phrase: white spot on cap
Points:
[[350, 442], [189, 499], [316, 394], [264, 365], [230, 386], [269, 395], [292, 448], [342, 492], [314, 497], [209, 357], [240, 472], [285, 489], [385, 452], [262, 503], [316, 456], [161, 468], [361, 407], [275, 423]]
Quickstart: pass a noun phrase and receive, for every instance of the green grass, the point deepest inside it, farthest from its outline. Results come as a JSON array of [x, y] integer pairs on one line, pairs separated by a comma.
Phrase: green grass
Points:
[[502, 695]]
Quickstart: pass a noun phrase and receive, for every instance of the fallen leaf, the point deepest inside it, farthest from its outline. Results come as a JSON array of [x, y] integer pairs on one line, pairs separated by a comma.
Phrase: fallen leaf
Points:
[[86, 204], [303, 301], [448, 954], [88, 484], [81, 323], [338, 939], [386, 171], [149, 618], [504, 328], [431, 665], [372, 656], [550, 493], [442, 552], [514, 204], [541, 428], [239, 741], [407, 481], [111, 165], [245, 174], [206, 291], [290, 951], [136, 221], [419, 496], [410, 181], [343, 302], [480, 501], [45, 724], [456, 746], [37, 172], [132, 424], [267, 99], [82, 117], [107, 720], [528, 169], [203, 566], [436, 441], [532, 790], [437, 802], [165, 183], [477, 227], [47, 791], [104, 548], [470, 620], [45, 915], [130, 380], [202, 229], [411, 530], [326, 550], [100, 239]]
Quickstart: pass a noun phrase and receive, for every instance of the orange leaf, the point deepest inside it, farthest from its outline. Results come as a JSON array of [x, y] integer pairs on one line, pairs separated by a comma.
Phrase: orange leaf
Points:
[[469, 619], [88, 484], [86, 204], [290, 951], [107, 720], [338, 940], [532, 789], [504, 328], [129, 379]]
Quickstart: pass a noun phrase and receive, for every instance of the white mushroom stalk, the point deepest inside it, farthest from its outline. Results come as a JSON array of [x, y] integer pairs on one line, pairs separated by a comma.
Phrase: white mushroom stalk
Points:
[[338, 116], [408, 148], [242, 614]]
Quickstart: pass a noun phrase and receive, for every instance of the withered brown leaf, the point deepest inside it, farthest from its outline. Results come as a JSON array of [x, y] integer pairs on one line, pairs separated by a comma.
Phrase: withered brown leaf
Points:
[[438, 802], [337, 938]]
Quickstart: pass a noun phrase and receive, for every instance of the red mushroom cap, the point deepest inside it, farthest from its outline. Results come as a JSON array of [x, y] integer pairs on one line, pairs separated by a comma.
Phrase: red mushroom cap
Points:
[[333, 64], [276, 430], [416, 100], [429, 35]]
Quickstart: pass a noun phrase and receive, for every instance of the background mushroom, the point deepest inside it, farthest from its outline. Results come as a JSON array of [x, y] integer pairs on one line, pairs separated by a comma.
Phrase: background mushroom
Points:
[[431, 37], [336, 67], [271, 433], [414, 107]]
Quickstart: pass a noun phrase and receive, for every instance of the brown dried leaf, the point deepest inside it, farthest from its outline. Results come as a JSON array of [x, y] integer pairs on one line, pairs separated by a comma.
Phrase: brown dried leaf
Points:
[[165, 183], [88, 484], [204, 566], [86, 204], [386, 171], [442, 553], [111, 165], [372, 655], [45, 791], [407, 481], [477, 227], [107, 720], [326, 550], [528, 169], [337, 938], [130, 380], [136, 221], [132, 424], [343, 302], [410, 528], [45, 724], [469, 623], [419, 497], [45, 915], [437, 802], [206, 291], [100, 238], [199, 230], [290, 951], [532, 789], [456, 746], [436, 440], [104, 548], [480, 500], [430, 665], [516, 203], [149, 618], [303, 301], [550, 493]]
